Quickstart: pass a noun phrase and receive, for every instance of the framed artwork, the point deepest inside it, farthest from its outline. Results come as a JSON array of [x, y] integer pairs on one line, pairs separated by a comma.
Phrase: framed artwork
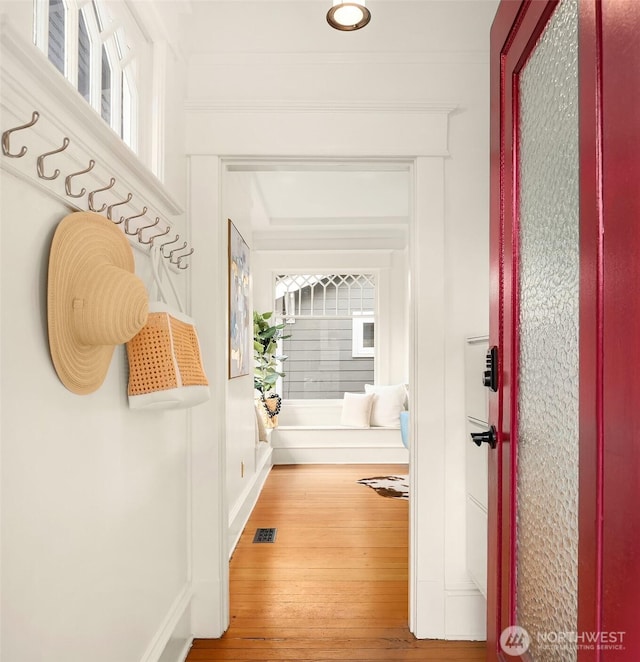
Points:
[[240, 322]]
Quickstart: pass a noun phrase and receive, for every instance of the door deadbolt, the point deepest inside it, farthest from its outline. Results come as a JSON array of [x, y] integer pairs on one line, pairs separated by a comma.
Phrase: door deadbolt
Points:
[[490, 375]]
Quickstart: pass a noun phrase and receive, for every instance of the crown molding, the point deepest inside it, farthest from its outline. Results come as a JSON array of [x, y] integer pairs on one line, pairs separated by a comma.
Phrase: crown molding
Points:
[[317, 106], [339, 222], [349, 240], [316, 164], [306, 1], [157, 25], [303, 59]]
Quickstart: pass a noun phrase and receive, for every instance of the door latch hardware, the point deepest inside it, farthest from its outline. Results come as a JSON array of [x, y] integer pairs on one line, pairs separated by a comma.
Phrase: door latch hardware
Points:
[[489, 437]]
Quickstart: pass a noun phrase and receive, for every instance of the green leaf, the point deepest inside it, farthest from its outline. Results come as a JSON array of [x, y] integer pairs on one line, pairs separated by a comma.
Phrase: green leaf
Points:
[[265, 344]]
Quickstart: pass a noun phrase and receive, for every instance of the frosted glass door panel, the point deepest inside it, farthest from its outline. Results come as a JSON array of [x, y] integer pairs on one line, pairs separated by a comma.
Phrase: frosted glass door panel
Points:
[[547, 419]]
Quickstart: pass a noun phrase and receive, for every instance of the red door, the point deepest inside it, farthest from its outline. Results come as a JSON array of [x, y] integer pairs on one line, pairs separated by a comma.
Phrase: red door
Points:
[[564, 477]]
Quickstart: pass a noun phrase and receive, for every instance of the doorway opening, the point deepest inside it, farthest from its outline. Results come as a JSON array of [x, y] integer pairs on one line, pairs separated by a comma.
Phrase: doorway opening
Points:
[[330, 217]]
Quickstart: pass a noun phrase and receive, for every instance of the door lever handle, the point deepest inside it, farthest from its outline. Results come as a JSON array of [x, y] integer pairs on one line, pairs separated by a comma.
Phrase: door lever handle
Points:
[[489, 437]]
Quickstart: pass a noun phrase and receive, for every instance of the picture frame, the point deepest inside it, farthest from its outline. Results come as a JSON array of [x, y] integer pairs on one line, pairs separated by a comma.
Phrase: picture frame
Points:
[[240, 317]]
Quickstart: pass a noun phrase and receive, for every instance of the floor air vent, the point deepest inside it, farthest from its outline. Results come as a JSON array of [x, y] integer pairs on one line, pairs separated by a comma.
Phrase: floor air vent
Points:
[[265, 535]]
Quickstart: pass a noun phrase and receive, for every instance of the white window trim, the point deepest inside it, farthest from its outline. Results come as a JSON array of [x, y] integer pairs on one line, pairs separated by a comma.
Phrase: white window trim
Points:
[[121, 69], [358, 350]]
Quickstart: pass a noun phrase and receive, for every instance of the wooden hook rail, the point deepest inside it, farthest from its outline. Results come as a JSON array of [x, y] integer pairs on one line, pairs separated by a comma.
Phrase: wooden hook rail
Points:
[[81, 191]]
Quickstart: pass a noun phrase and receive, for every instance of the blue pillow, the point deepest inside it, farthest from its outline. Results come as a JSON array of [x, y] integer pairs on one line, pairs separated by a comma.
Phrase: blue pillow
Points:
[[404, 428]]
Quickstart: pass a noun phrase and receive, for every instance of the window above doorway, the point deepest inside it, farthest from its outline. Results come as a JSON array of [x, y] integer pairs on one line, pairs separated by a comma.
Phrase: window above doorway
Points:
[[91, 45]]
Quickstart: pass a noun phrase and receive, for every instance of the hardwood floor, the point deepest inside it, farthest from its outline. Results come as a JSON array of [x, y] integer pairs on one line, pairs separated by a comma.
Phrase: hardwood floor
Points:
[[334, 585]]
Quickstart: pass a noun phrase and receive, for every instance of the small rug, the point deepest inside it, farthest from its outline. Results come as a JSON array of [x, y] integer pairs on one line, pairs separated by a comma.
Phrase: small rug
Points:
[[394, 487]]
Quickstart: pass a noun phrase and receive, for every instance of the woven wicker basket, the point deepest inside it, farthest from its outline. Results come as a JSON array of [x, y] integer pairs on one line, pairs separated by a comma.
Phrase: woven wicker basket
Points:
[[165, 365]]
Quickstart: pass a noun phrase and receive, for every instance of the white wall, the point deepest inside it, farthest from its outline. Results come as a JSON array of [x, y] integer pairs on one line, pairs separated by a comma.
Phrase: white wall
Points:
[[95, 497], [240, 415], [287, 86], [246, 458], [466, 278]]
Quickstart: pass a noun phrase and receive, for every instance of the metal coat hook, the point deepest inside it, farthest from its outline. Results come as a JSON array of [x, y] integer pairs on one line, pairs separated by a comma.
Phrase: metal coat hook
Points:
[[6, 136], [146, 227], [175, 250], [130, 218], [168, 243], [67, 181], [178, 262], [155, 236], [41, 158], [111, 184], [180, 265], [116, 204], [179, 257]]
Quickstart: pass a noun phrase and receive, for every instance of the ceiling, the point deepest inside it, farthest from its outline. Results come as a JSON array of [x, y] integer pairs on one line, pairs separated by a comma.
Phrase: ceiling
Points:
[[334, 197], [367, 205], [328, 204], [397, 28]]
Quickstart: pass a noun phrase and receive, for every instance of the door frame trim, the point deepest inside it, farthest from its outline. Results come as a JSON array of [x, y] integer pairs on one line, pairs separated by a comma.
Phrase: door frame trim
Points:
[[591, 428], [209, 548]]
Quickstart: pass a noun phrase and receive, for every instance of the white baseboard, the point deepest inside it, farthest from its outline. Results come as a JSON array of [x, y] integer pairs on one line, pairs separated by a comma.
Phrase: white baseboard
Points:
[[428, 621], [465, 613], [339, 456], [241, 511], [337, 445], [182, 655], [209, 616], [168, 631], [177, 650]]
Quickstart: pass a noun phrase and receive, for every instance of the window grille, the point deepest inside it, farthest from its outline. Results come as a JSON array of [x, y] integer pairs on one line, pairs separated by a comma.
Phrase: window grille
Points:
[[85, 41], [325, 295]]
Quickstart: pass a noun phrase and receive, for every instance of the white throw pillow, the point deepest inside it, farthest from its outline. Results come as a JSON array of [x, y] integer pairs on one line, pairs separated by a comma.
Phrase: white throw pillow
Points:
[[388, 402], [356, 409]]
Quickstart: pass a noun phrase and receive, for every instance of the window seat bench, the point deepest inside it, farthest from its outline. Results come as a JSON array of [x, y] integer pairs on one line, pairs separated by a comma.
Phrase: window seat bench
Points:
[[309, 433]]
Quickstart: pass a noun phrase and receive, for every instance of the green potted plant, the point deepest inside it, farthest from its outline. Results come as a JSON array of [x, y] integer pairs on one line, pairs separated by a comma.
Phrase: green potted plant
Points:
[[265, 372]]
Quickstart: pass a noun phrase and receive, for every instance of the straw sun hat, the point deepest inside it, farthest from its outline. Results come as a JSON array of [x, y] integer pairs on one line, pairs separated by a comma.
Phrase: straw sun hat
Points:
[[94, 299]]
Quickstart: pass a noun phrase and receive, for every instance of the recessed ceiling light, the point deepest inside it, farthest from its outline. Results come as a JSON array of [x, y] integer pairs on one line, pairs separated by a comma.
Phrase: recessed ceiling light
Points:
[[348, 16]]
